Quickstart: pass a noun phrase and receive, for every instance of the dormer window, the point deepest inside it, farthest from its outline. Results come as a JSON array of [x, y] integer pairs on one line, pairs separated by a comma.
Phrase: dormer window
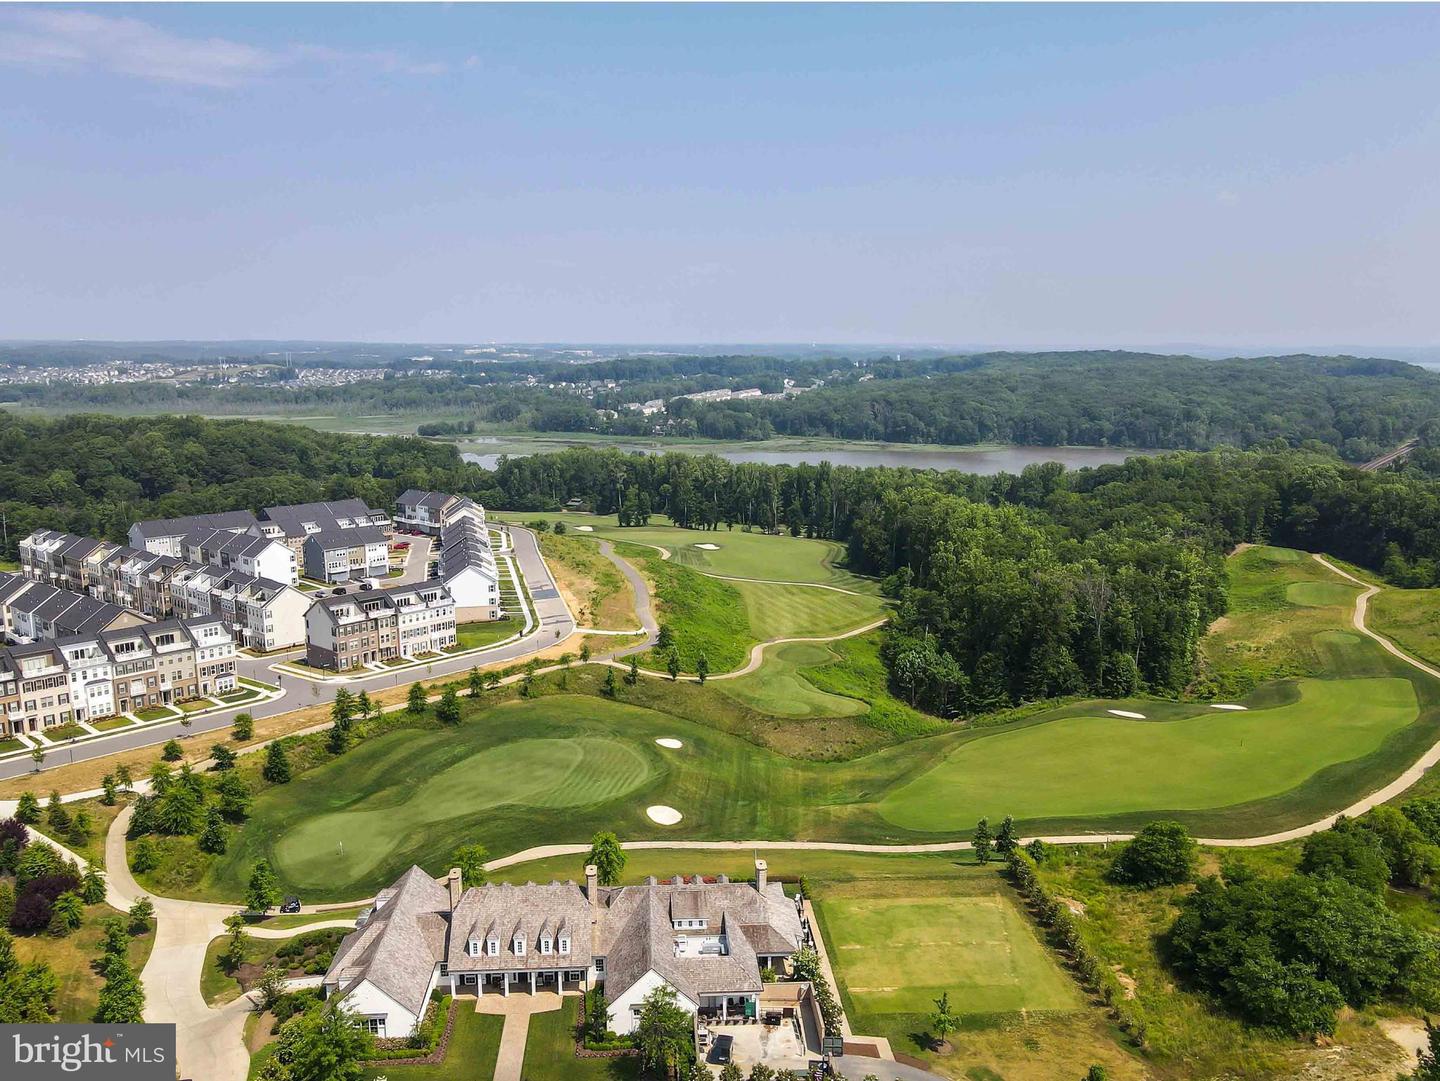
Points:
[[519, 945], [545, 944], [492, 946], [473, 947], [564, 944]]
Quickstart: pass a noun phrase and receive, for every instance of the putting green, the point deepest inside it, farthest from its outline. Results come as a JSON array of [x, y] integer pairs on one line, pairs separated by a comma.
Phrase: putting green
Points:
[[1320, 594], [1095, 765], [530, 772], [779, 688]]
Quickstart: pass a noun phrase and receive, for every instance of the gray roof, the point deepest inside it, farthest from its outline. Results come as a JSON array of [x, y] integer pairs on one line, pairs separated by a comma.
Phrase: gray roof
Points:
[[401, 943], [178, 527], [529, 911], [352, 537], [416, 497]]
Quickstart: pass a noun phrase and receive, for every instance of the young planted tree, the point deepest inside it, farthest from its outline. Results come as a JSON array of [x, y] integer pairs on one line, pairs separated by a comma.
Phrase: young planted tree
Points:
[[943, 1022], [108, 794], [608, 857], [243, 730], [325, 1043], [584, 652], [702, 667], [223, 757], [212, 836], [415, 699], [234, 794], [337, 740], [363, 706], [476, 683], [610, 687], [124, 777], [27, 809], [1162, 853], [140, 915], [56, 816], [233, 956], [448, 709], [665, 637], [122, 999], [172, 751], [1005, 840], [263, 892], [144, 857], [633, 676], [276, 769], [66, 914], [92, 886], [982, 841], [177, 812], [672, 665]]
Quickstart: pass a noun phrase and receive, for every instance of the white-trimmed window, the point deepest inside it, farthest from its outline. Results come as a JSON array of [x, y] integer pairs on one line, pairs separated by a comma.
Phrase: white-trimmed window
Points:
[[376, 1025], [492, 946], [518, 944], [599, 965], [545, 944], [473, 947], [564, 944]]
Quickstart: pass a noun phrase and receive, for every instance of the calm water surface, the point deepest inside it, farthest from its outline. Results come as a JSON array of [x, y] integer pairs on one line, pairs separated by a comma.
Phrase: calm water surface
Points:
[[971, 460]]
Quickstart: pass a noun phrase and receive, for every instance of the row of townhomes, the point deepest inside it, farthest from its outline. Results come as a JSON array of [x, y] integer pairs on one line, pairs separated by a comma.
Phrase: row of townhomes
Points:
[[338, 541], [467, 561], [707, 939], [371, 627], [32, 611], [262, 613], [90, 676]]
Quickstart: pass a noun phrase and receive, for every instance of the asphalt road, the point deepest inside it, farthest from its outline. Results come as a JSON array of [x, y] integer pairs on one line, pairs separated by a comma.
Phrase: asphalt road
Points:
[[555, 623]]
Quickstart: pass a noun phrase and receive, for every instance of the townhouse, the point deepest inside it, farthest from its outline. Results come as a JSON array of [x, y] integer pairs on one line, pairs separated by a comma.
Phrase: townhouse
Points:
[[346, 555], [292, 524], [172, 661], [163, 536], [248, 553], [60, 559], [262, 614], [32, 611], [373, 626], [423, 511], [709, 940], [467, 567]]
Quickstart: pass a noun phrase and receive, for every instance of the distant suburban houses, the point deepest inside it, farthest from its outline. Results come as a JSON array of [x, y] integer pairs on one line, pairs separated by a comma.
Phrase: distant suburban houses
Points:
[[708, 939]]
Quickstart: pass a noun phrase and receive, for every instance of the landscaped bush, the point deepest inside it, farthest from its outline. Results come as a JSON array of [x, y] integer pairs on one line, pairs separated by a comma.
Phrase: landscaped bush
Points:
[[423, 1041], [35, 903]]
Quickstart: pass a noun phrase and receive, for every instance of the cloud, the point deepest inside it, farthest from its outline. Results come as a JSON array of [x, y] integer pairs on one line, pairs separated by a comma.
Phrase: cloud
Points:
[[67, 40]]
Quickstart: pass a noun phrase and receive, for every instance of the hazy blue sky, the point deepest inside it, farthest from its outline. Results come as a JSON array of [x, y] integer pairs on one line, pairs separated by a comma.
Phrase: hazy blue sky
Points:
[[1025, 174]]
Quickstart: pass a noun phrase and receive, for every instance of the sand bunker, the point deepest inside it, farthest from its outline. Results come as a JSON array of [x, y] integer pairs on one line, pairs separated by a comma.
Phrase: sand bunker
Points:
[[584, 529], [673, 744], [1127, 713], [709, 547], [665, 816], [1226, 705]]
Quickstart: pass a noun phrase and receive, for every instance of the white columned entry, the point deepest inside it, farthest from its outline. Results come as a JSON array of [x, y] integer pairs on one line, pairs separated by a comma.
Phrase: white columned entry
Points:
[[505, 983], [532, 981]]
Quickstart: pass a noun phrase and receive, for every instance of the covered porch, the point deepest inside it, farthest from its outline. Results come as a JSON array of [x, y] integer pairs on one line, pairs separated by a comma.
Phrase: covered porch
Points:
[[518, 982]]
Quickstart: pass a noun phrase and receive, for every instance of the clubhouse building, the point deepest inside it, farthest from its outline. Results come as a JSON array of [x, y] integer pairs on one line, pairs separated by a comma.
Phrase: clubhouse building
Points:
[[707, 939]]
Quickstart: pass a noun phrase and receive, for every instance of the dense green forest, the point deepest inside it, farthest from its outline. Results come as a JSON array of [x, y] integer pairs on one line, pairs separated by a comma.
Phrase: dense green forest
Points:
[[1009, 588], [1357, 408]]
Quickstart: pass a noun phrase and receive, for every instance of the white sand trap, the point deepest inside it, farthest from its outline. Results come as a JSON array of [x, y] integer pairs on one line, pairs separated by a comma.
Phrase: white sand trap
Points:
[[709, 547], [584, 529], [1127, 713], [1226, 705], [666, 816], [673, 744]]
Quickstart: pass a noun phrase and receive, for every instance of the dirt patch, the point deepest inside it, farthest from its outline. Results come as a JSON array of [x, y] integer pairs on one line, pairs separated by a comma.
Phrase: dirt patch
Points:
[[1077, 908], [1410, 1035], [1125, 980]]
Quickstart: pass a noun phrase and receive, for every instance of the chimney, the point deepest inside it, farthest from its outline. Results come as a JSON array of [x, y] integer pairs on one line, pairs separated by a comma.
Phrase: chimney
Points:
[[592, 883], [762, 874], [457, 887]]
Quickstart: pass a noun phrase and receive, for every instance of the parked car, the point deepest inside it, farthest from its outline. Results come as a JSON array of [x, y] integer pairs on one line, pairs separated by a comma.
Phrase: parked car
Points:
[[290, 904], [720, 1053], [365, 586], [340, 591]]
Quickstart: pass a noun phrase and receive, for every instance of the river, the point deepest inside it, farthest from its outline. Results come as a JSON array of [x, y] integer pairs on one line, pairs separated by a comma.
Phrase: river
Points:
[[486, 451]]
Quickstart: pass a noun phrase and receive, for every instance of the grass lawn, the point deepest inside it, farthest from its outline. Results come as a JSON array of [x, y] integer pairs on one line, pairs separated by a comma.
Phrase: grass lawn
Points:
[[898, 949], [155, 713], [550, 1051], [802, 611], [301, 919], [72, 958], [219, 987], [11, 745], [112, 723], [1095, 764], [475, 635], [236, 697], [474, 1045], [780, 687], [59, 732], [195, 705]]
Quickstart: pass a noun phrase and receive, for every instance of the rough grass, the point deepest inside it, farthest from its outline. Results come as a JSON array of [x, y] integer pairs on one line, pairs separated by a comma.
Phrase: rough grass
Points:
[[593, 586], [73, 957], [705, 615], [1100, 765], [1411, 617], [738, 553], [1279, 600]]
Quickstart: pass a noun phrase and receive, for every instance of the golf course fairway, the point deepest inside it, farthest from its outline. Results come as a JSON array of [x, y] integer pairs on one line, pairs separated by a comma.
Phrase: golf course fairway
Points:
[[1098, 765]]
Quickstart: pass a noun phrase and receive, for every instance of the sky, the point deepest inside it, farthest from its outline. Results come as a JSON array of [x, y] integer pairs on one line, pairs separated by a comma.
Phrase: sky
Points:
[[1022, 175]]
